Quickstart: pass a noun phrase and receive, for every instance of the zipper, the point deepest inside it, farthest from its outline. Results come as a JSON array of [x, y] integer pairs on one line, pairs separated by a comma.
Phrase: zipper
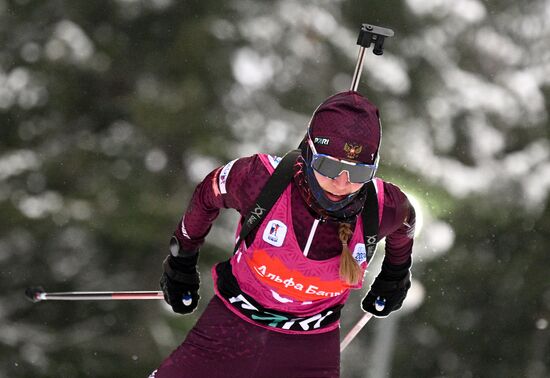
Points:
[[310, 237]]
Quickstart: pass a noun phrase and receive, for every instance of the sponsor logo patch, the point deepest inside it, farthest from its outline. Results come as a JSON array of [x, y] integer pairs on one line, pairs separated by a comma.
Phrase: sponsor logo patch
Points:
[[323, 141], [290, 283], [360, 253], [275, 233], [224, 174]]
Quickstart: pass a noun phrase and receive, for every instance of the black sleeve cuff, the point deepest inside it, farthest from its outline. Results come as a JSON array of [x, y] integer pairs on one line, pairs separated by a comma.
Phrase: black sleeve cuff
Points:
[[391, 272]]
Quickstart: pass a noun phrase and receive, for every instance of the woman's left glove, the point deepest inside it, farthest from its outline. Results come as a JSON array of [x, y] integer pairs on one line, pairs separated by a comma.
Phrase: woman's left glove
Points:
[[180, 283], [389, 289]]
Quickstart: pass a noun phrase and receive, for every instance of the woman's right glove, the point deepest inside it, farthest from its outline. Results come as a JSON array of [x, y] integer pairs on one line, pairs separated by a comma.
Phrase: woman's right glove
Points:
[[180, 283]]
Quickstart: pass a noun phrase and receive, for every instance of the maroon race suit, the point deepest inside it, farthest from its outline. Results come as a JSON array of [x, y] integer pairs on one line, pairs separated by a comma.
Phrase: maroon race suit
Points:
[[223, 345]]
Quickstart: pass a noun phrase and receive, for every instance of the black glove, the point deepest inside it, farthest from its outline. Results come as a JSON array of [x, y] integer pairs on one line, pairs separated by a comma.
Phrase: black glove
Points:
[[389, 289], [180, 283]]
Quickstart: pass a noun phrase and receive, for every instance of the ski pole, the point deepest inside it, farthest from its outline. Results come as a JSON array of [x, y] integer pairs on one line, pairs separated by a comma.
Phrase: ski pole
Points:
[[367, 35], [354, 331], [37, 294], [379, 305]]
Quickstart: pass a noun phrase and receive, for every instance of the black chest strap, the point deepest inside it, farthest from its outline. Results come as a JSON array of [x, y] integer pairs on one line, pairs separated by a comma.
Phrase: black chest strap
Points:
[[270, 193], [370, 219]]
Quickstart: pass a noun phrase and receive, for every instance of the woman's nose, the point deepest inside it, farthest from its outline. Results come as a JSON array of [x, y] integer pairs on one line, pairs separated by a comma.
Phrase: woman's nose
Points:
[[342, 180]]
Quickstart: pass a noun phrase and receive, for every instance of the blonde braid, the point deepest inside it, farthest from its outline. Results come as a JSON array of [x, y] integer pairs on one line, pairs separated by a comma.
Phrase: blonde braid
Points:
[[350, 271]]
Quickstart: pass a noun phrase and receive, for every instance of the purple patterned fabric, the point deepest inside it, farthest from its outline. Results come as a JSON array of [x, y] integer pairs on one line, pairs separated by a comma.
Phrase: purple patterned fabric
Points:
[[221, 345]]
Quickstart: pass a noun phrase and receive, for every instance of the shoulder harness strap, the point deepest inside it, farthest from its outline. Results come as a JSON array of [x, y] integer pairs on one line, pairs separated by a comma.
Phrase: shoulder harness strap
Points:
[[370, 220], [271, 192]]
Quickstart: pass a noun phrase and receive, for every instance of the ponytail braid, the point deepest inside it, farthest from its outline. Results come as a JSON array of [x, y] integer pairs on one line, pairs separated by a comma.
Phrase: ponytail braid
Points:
[[350, 271]]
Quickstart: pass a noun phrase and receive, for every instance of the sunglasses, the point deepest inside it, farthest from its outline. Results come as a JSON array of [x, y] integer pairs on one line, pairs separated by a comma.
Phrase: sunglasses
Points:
[[328, 166]]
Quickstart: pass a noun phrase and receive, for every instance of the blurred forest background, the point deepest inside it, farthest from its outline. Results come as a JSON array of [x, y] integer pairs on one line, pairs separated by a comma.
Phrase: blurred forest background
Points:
[[112, 111]]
